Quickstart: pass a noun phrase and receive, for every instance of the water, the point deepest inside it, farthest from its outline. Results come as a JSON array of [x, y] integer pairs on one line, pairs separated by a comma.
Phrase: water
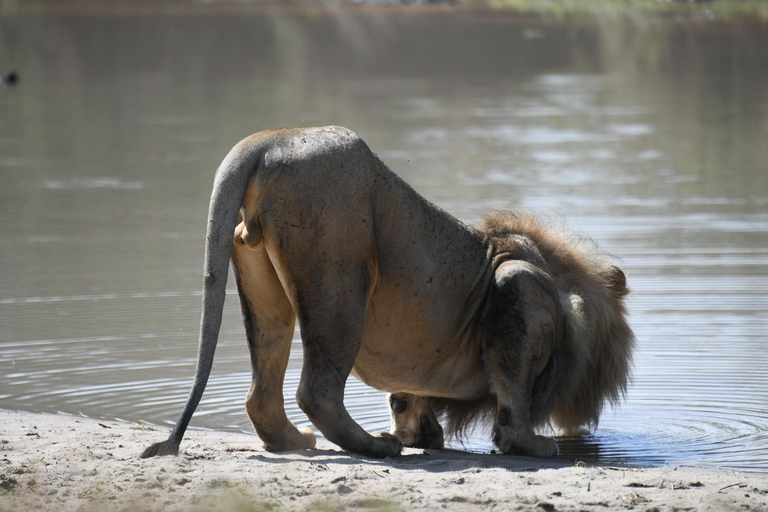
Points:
[[651, 139]]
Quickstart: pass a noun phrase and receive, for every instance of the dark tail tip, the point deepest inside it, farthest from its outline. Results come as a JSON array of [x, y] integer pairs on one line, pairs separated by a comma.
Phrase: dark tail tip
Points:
[[167, 447]]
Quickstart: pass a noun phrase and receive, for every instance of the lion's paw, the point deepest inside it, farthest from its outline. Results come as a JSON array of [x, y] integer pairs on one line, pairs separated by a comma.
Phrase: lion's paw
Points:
[[308, 439], [387, 445], [543, 447], [301, 439], [530, 445]]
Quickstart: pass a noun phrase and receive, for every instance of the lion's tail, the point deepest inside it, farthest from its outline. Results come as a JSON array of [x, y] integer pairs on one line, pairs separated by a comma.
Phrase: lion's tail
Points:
[[230, 186]]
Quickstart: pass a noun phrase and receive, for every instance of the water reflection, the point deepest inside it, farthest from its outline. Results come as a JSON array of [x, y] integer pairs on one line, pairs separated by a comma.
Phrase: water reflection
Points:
[[650, 139]]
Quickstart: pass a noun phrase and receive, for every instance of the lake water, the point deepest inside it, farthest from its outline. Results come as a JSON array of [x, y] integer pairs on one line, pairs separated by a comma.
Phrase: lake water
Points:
[[652, 139]]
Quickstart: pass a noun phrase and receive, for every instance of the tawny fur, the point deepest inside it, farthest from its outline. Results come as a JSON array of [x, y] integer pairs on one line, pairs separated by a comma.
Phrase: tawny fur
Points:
[[514, 318], [593, 361]]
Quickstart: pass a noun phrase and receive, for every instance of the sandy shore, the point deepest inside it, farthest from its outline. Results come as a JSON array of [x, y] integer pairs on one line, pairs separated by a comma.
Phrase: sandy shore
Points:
[[54, 462]]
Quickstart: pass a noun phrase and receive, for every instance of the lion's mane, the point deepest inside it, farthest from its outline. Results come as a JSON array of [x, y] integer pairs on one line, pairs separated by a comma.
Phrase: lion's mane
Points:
[[591, 364]]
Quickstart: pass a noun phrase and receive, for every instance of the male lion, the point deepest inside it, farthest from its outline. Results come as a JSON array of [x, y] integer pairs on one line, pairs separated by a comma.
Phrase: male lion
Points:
[[510, 318]]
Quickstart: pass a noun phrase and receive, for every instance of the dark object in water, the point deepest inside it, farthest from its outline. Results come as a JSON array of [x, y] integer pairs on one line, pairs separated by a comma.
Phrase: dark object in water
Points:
[[11, 78]]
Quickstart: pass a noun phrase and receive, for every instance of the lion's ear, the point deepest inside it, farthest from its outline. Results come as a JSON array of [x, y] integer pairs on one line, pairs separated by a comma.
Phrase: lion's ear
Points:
[[617, 282]]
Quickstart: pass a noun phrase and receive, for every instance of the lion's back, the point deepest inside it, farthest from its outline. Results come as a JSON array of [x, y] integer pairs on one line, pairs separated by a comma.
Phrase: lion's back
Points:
[[315, 148]]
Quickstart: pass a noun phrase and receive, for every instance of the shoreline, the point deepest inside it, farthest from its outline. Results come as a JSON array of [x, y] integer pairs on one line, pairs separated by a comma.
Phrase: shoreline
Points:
[[60, 462], [717, 12]]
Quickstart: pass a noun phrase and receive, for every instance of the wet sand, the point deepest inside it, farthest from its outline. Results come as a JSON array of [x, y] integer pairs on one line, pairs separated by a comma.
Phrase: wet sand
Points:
[[55, 462]]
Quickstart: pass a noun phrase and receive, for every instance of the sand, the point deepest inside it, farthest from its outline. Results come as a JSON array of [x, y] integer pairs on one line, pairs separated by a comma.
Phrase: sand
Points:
[[61, 463]]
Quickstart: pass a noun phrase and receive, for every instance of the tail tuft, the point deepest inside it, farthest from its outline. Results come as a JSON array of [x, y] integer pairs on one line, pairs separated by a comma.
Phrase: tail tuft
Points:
[[167, 447]]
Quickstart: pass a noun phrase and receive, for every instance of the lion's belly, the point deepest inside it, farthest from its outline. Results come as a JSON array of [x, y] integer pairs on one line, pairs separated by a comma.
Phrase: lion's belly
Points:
[[414, 372], [404, 352]]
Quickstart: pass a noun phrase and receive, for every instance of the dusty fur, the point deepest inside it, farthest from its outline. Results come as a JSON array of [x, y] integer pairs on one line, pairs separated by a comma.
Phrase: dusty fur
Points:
[[592, 362], [515, 321]]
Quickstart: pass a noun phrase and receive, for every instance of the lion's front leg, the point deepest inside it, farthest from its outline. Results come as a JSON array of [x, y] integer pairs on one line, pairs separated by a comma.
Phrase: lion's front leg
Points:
[[513, 430], [414, 422], [513, 434], [519, 345]]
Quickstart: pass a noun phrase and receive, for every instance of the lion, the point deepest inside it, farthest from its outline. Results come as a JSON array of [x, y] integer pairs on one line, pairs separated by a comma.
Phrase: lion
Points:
[[510, 323]]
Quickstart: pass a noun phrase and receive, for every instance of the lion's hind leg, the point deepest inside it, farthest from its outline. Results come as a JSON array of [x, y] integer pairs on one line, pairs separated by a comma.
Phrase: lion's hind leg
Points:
[[414, 421], [522, 339], [269, 323], [332, 318], [332, 335], [323, 249]]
